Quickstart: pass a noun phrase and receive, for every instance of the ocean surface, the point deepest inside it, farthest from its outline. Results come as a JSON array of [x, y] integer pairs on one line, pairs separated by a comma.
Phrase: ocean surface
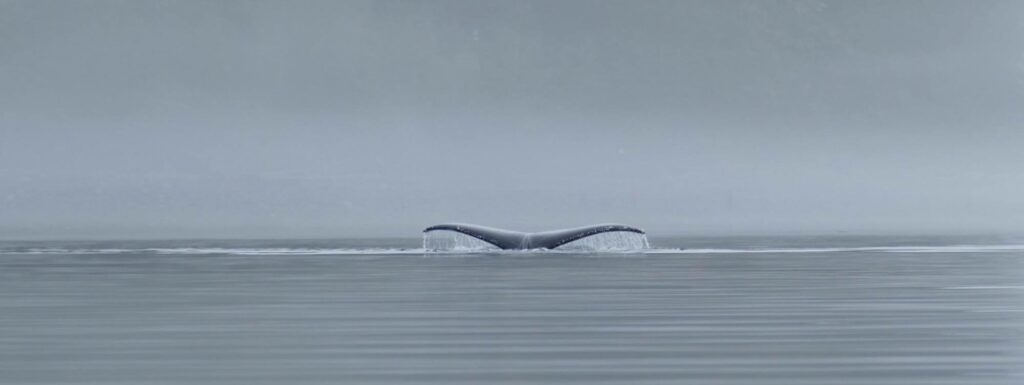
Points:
[[783, 310]]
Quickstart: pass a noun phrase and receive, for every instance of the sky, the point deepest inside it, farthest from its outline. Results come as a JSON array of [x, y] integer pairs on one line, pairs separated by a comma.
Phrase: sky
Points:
[[213, 119]]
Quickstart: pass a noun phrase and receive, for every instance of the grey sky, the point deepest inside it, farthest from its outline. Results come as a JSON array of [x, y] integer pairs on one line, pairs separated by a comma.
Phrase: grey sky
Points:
[[364, 118]]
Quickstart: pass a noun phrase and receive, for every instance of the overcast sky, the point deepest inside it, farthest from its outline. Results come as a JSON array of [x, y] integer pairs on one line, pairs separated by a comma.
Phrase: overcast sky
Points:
[[377, 118]]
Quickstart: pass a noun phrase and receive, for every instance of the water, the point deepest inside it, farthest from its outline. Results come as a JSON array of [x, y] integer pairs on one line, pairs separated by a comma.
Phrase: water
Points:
[[447, 241], [841, 310]]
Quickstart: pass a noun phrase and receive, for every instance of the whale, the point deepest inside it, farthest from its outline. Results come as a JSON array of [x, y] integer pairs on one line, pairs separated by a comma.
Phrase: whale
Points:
[[517, 240]]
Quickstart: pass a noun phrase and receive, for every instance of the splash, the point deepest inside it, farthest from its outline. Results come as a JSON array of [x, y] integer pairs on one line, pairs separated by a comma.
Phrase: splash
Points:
[[451, 241], [443, 240], [610, 241]]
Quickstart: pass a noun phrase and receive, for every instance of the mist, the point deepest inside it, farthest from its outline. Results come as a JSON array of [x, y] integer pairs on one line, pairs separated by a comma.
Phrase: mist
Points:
[[126, 119]]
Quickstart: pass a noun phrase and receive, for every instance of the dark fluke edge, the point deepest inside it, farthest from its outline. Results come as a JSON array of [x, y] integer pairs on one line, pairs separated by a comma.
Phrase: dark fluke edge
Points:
[[507, 239]]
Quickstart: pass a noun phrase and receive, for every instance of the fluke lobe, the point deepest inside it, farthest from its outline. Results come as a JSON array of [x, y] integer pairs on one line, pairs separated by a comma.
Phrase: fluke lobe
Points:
[[515, 240]]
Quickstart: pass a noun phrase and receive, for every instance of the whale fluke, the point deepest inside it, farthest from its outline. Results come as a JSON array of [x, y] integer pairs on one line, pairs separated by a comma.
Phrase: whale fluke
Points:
[[507, 239]]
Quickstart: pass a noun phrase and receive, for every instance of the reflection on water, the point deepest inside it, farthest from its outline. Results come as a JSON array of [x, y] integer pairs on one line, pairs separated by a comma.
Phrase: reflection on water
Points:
[[726, 318]]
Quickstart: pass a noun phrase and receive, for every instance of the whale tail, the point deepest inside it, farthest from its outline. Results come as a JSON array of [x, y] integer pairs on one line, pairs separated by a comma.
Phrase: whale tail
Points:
[[512, 240]]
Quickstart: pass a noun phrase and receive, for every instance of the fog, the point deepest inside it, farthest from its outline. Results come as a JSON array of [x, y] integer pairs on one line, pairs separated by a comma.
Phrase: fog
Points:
[[128, 119]]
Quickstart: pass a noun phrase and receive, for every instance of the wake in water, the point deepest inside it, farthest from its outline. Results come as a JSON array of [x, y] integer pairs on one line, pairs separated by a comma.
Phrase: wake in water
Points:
[[283, 251], [879, 249]]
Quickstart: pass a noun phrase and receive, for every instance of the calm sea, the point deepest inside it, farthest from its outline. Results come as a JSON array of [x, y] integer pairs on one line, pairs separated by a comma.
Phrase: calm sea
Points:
[[818, 310]]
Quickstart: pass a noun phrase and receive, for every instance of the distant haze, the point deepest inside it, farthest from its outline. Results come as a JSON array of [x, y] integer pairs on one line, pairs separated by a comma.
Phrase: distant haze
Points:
[[124, 119]]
